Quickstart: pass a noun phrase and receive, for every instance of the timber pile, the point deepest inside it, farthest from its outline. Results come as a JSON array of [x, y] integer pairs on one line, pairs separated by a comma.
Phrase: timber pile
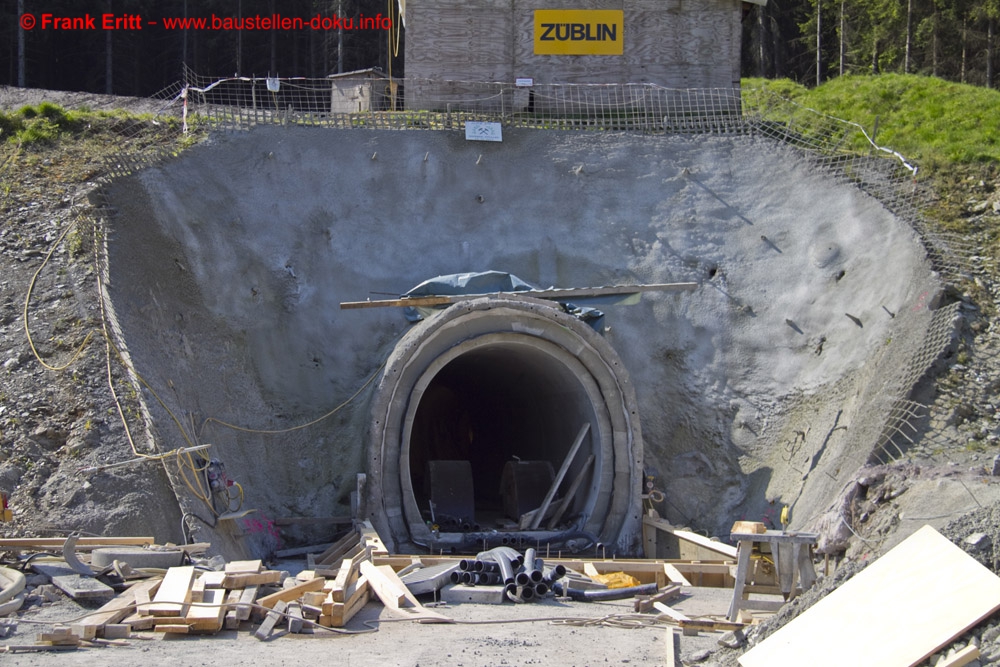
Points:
[[343, 578]]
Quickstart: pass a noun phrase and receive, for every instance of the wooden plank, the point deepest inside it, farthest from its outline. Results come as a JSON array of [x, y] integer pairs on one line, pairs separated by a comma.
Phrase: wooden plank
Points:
[[247, 597], [71, 583], [343, 612], [960, 658], [244, 567], [198, 590], [231, 581], [552, 294], [173, 628], [673, 648], [391, 594], [295, 619], [675, 575], [571, 493], [347, 573], [272, 619], [121, 606], [210, 614], [876, 609], [293, 593], [670, 612], [232, 619], [559, 476], [644, 603], [50, 543], [339, 548], [213, 579], [174, 594]]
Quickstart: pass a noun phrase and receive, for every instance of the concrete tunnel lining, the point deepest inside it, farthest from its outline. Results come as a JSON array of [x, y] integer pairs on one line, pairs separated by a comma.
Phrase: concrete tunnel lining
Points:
[[574, 359]]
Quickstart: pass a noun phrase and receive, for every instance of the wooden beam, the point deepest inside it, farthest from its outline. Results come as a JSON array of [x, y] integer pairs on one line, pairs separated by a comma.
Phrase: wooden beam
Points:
[[121, 606], [210, 614], [562, 473], [46, 543], [960, 658], [550, 294], [293, 593], [272, 619], [573, 488], [174, 594], [391, 594]]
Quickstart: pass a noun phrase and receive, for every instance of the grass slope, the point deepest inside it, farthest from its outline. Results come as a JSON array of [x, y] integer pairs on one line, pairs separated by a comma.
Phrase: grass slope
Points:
[[937, 123]]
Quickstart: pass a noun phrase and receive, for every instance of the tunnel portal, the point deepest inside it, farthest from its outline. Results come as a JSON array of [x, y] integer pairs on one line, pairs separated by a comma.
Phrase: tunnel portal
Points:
[[477, 412]]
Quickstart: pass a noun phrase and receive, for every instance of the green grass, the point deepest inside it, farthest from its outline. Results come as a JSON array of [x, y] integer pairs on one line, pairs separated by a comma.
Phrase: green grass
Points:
[[937, 123]]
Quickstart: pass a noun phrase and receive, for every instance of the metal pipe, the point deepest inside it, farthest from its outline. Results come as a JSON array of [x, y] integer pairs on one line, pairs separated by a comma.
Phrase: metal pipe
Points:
[[601, 595], [465, 564], [541, 588], [526, 593], [553, 573]]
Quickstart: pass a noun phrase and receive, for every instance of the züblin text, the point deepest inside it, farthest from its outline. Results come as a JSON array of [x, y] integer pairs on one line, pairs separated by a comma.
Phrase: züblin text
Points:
[[578, 32]]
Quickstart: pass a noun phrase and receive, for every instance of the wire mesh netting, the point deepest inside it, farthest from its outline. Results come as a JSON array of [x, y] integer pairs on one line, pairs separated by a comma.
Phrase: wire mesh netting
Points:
[[370, 100]]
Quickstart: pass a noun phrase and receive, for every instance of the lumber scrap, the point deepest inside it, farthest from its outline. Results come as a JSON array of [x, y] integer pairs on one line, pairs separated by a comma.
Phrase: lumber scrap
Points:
[[339, 548], [342, 612], [231, 581], [248, 596], [413, 609], [244, 567], [273, 617], [174, 593], [295, 620], [116, 609], [571, 493], [877, 609], [82, 543], [58, 637], [391, 594], [673, 648], [173, 628], [212, 579], [551, 293], [644, 603], [232, 619], [209, 615], [559, 476], [72, 583], [670, 613], [675, 575], [348, 572], [959, 658], [293, 593]]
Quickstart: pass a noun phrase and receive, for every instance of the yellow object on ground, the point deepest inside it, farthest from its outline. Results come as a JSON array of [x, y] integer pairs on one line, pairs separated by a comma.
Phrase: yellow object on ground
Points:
[[616, 580]]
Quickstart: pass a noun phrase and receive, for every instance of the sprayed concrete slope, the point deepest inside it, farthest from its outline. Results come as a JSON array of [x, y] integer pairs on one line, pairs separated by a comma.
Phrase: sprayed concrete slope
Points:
[[228, 265]]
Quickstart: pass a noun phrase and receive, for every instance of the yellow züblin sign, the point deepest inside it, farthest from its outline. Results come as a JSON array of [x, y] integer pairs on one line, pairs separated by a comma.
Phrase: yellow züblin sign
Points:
[[579, 32]]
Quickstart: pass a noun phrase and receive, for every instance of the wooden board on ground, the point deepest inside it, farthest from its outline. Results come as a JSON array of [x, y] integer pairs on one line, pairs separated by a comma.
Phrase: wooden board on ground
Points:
[[898, 611], [232, 581], [273, 618], [293, 593], [209, 615], [118, 608], [71, 583], [391, 594], [342, 612], [244, 567], [338, 549], [174, 594], [82, 543]]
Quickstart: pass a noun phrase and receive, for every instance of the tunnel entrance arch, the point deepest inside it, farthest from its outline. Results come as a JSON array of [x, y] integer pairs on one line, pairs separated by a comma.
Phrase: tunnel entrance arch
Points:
[[481, 388]]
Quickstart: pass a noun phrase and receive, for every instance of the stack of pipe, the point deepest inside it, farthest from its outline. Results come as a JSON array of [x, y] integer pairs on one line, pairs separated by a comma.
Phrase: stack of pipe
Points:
[[524, 578]]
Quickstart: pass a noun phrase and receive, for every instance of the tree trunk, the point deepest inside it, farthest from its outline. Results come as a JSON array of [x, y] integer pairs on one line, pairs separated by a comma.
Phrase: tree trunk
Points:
[[990, 35], [875, 55], [762, 41], [819, 42], [20, 47], [108, 57], [964, 47], [909, 36], [935, 53], [843, 38]]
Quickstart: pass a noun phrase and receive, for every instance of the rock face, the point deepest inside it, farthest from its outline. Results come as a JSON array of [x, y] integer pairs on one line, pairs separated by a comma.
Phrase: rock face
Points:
[[227, 267]]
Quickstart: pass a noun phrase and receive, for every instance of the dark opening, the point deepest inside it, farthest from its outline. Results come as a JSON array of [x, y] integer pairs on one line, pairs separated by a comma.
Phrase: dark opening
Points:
[[490, 406]]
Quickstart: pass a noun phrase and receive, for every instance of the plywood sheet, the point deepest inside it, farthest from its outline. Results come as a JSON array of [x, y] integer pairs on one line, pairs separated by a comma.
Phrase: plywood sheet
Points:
[[898, 611]]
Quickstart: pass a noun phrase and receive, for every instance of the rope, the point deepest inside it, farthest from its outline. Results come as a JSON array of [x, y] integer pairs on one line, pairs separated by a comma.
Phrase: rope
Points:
[[27, 303]]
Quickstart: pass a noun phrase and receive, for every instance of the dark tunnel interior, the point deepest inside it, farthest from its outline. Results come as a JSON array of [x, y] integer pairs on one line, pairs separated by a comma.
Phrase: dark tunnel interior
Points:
[[502, 415]]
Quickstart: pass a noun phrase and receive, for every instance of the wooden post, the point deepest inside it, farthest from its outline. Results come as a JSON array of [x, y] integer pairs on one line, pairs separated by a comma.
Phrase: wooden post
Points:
[[559, 477]]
